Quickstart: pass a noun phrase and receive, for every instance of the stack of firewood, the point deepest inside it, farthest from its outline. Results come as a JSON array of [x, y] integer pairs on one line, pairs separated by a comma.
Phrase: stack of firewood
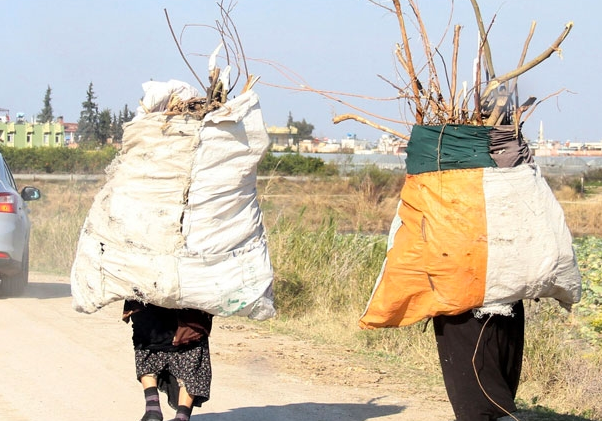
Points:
[[492, 100]]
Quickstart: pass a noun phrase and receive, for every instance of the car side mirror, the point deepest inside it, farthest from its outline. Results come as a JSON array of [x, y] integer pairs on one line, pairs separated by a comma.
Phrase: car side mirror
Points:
[[30, 193]]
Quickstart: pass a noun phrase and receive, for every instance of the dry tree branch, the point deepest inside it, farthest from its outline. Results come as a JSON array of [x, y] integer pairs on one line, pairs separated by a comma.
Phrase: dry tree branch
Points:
[[230, 39], [540, 101], [181, 52], [520, 110], [401, 58], [485, 102], [411, 99], [230, 49], [408, 60], [402, 91], [251, 80], [501, 102], [514, 88], [480, 104], [477, 87], [438, 103], [235, 35], [306, 88], [484, 41], [523, 55], [494, 83], [425, 42], [362, 120], [332, 96], [303, 86], [445, 72], [401, 76], [452, 105]]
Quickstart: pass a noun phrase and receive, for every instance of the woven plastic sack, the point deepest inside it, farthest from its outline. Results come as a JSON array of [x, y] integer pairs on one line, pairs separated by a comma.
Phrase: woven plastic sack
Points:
[[477, 228], [177, 223]]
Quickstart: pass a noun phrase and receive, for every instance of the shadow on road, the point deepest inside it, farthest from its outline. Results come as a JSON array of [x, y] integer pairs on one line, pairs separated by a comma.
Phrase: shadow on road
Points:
[[45, 290], [305, 411], [345, 411]]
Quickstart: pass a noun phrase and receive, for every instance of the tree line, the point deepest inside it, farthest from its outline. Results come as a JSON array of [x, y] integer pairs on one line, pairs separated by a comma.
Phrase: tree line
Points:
[[94, 126]]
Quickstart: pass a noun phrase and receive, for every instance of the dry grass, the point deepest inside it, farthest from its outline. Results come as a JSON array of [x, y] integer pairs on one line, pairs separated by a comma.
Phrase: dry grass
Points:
[[355, 208], [560, 371], [56, 221], [583, 218], [583, 212]]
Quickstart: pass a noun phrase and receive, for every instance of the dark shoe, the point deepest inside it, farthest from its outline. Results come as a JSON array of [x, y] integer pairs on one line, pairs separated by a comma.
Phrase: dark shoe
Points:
[[149, 416]]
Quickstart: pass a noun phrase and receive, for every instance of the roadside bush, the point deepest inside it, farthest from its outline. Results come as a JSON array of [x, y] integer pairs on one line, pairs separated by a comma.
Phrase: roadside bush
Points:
[[58, 160], [376, 184], [594, 177], [294, 164], [559, 182], [589, 256], [321, 270]]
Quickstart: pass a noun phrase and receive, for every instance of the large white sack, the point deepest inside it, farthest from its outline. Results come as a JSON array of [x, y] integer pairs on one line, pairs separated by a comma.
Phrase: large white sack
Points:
[[177, 223]]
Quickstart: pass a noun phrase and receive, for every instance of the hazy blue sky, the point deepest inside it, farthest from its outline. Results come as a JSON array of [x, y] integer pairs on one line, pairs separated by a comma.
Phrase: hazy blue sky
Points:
[[334, 45]]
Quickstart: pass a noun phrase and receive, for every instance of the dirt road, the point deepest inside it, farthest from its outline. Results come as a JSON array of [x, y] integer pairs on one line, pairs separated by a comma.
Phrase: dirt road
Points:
[[57, 364]]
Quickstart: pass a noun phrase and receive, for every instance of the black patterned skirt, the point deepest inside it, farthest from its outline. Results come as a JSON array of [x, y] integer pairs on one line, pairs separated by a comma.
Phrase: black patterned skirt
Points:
[[190, 367]]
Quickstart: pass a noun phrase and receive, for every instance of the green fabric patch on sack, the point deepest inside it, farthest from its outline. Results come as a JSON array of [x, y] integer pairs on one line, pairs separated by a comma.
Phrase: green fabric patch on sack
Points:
[[449, 147]]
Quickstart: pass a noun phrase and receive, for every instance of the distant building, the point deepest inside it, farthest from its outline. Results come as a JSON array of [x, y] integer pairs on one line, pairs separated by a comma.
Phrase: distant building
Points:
[[324, 145], [70, 133], [281, 137], [389, 144], [329, 146], [352, 143], [309, 145], [568, 148], [22, 134]]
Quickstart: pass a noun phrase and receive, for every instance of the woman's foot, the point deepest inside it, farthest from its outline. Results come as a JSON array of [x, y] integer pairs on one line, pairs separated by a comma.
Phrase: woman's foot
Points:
[[152, 416], [183, 413]]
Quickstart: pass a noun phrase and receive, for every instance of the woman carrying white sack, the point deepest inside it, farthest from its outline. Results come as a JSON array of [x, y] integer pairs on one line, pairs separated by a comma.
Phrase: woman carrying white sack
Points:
[[177, 233]]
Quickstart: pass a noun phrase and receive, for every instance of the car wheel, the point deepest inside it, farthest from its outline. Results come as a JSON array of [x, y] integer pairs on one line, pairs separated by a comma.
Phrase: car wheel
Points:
[[14, 285]]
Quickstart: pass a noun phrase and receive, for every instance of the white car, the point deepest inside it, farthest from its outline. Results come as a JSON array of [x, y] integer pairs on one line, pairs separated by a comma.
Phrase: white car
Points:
[[14, 232]]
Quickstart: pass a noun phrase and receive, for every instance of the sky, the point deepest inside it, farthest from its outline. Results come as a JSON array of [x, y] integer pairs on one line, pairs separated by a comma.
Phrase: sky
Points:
[[340, 46]]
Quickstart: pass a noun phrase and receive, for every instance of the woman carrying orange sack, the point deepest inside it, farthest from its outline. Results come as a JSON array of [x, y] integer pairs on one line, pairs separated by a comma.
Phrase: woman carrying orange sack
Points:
[[171, 348]]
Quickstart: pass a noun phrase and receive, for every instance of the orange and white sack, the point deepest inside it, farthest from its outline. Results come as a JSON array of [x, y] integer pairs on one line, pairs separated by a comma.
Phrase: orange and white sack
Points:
[[477, 228]]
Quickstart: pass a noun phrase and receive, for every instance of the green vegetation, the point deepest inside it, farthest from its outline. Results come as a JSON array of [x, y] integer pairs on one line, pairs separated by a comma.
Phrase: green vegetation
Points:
[[94, 127], [304, 129], [58, 160], [85, 160], [322, 269], [589, 256], [46, 115], [294, 164]]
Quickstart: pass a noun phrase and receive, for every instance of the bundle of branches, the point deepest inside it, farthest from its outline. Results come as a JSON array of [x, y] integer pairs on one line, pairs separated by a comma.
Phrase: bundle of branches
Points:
[[492, 100], [220, 84]]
